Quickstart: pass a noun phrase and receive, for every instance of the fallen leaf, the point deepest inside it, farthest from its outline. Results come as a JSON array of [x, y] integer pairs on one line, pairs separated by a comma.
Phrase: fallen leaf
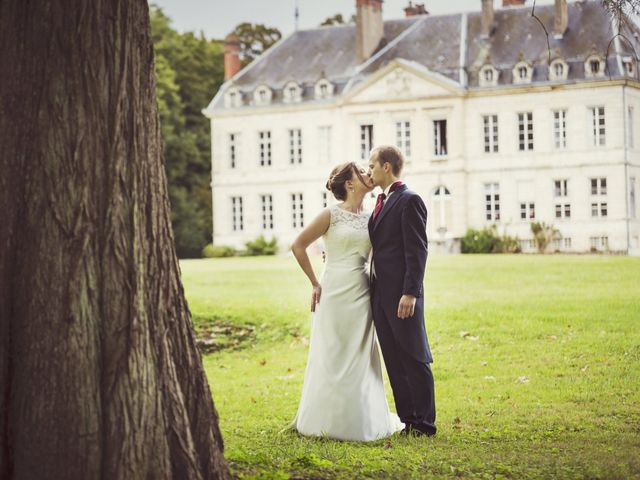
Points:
[[522, 379], [584, 369], [263, 362]]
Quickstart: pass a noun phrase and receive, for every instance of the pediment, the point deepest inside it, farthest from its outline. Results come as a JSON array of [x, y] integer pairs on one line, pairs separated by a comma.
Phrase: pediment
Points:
[[402, 80]]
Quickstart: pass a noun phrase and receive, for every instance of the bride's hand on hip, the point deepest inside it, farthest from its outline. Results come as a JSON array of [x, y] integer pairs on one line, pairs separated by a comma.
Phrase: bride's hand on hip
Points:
[[315, 296]]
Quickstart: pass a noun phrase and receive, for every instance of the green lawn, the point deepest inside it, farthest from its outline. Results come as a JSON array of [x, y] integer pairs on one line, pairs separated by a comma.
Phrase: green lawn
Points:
[[545, 383]]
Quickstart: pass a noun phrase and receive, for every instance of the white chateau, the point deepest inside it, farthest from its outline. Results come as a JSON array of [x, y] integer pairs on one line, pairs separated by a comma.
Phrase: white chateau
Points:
[[497, 125]]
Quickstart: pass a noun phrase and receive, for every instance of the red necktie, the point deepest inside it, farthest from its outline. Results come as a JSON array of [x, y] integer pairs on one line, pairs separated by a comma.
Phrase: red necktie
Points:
[[382, 196]]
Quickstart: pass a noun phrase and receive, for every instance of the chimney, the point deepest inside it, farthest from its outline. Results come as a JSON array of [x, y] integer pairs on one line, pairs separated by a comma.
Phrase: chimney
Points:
[[231, 56], [512, 3], [487, 18], [369, 27], [561, 19], [412, 10]]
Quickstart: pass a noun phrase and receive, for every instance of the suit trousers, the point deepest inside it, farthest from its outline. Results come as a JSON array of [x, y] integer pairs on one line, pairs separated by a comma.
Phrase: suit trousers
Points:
[[411, 380]]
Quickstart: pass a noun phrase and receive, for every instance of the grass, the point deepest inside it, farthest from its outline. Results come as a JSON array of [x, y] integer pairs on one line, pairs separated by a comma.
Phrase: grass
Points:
[[537, 368]]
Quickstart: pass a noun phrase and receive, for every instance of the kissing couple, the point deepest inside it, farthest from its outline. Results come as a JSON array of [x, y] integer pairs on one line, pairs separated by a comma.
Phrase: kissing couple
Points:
[[343, 393]]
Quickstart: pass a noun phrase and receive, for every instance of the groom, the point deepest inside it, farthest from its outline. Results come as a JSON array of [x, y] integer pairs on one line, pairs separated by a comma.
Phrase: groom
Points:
[[398, 235]]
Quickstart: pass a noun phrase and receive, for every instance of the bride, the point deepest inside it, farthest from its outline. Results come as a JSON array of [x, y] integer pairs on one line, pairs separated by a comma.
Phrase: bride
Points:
[[343, 393]]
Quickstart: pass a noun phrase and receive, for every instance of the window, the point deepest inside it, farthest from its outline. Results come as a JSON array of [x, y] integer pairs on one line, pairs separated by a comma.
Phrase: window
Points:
[[265, 148], [492, 201], [442, 208], [566, 242], [295, 146], [297, 210], [522, 73], [490, 133], [630, 127], [563, 210], [560, 129], [527, 210], [234, 140], [262, 95], [324, 144], [440, 138], [597, 121], [488, 75], [324, 90], [598, 209], [627, 62], [237, 222], [560, 188], [599, 186], [366, 141], [403, 137], [594, 66], [527, 244], [324, 199], [558, 69], [525, 131], [632, 197], [598, 243], [267, 212]]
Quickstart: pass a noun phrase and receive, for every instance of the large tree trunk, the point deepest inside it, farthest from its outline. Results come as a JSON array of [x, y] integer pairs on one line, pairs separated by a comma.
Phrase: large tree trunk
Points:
[[100, 376]]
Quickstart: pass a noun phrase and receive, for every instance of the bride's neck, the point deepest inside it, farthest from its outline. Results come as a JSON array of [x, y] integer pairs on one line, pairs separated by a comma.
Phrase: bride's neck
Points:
[[353, 204]]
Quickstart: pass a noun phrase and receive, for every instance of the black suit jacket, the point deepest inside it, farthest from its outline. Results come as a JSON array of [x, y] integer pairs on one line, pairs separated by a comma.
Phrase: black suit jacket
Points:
[[399, 240]]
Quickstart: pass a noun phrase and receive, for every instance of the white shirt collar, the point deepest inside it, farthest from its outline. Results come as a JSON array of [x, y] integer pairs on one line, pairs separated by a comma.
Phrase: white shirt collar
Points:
[[386, 190]]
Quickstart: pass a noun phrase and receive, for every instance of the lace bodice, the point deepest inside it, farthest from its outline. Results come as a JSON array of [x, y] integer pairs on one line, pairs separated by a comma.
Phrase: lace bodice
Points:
[[347, 241]]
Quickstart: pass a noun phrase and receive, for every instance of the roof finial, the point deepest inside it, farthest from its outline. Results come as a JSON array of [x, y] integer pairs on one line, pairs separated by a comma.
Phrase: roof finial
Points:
[[296, 15]]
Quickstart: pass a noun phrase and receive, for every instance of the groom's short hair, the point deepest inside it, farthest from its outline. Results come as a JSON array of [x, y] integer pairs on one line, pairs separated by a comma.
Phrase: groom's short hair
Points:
[[391, 154]]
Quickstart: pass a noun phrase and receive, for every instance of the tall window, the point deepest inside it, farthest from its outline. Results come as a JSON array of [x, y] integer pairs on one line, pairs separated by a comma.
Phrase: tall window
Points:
[[442, 209], [267, 212], [525, 131], [265, 148], [295, 146], [366, 141], [234, 140], [237, 221], [632, 197], [490, 133], [492, 201], [560, 128], [598, 126], [297, 210], [598, 189], [599, 243], [630, 126], [324, 144], [599, 186], [403, 137], [324, 199], [440, 138], [561, 188], [563, 210], [527, 210]]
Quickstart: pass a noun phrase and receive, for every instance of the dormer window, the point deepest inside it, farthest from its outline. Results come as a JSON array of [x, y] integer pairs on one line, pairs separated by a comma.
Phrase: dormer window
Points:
[[323, 89], [262, 95], [629, 67], [488, 76], [292, 93], [233, 98], [594, 66], [558, 70], [522, 73]]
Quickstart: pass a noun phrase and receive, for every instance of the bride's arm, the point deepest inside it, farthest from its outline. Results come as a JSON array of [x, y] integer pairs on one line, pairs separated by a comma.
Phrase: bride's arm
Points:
[[310, 234]]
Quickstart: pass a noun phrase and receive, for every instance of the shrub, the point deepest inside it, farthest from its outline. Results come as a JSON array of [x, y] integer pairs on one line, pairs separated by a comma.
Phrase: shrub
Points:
[[543, 235], [260, 246], [487, 240], [218, 251]]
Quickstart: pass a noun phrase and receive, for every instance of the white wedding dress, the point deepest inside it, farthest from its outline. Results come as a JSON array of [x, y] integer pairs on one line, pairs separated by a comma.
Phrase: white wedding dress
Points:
[[343, 393]]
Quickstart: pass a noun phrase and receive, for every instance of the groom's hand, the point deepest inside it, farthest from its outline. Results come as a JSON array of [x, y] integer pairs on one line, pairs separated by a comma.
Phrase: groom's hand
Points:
[[407, 306]]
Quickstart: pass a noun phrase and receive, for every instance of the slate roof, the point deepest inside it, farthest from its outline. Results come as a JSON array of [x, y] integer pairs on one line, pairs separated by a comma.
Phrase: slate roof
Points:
[[434, 41]]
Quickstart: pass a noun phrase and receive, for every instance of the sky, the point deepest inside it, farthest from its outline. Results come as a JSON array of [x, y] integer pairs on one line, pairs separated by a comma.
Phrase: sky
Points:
[[217, 18]]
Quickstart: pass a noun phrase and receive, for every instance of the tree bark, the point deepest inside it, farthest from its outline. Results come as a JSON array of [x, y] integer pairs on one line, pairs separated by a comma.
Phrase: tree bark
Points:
[[100, 376]]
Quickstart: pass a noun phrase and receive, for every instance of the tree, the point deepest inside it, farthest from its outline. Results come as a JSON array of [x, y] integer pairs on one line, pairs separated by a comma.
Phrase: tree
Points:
[[189, 70], [337, 19], [255, 39], [100, 376]]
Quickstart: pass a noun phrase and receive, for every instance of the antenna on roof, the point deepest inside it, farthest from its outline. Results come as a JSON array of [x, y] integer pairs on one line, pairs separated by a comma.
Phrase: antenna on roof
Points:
[[296, 14]]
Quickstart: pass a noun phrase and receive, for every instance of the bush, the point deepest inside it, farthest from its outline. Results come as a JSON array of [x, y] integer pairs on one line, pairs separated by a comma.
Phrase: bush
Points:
[[218, 251], [260, 246], [543, 235], [487, 240]]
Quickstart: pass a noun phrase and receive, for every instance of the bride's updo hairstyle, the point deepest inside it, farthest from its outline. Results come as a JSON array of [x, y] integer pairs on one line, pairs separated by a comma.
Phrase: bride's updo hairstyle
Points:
[[339, 177]]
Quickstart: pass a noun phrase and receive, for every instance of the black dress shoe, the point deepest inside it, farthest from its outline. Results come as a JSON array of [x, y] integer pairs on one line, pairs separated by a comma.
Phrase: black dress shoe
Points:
[[414, 431]]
